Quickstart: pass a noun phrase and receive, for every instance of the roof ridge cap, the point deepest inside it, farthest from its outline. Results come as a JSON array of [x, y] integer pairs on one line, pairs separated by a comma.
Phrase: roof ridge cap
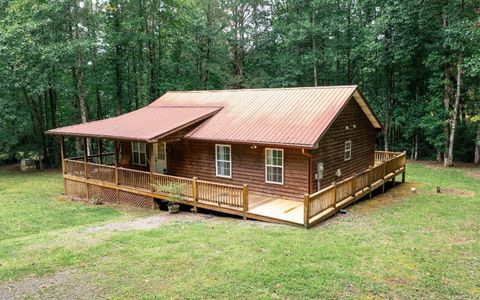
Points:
[[183, 106], [269, 89]]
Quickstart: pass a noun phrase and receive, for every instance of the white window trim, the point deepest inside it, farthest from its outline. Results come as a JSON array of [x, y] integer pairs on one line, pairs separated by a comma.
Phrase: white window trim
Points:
[[349, 150], [267, 165], [141, 152], [217, 160]]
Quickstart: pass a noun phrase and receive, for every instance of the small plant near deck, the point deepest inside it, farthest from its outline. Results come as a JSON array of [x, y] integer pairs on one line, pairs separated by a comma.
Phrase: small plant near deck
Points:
[[96, 201], [174, 193]]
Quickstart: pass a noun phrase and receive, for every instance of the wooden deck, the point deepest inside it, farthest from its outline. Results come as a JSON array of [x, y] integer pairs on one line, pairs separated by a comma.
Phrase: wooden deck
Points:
[[88, 180], [290, 211]]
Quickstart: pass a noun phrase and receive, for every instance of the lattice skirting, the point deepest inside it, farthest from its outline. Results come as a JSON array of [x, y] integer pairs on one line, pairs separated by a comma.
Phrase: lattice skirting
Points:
[[83, 191]]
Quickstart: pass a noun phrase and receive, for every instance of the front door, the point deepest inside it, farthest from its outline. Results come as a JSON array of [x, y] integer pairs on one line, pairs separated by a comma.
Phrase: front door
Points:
[[160, 157]]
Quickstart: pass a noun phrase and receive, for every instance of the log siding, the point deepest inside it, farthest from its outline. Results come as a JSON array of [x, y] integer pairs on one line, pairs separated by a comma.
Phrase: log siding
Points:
[[331, 149], [197, 158]]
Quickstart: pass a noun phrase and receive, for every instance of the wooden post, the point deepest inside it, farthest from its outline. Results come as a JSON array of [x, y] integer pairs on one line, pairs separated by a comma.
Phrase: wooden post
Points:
[[62, 157], [403, 173], [383, 178], [100, 150], [354, 186], [85, 165], [152, 188], [245, 201], [370, 178], [116, 170], [395, 164], [195, 193], [62, 153], [85, 157], [334, 204], [306, 209]]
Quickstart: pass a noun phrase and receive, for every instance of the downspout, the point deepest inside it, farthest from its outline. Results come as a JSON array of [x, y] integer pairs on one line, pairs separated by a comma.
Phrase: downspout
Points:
[[309, 168]]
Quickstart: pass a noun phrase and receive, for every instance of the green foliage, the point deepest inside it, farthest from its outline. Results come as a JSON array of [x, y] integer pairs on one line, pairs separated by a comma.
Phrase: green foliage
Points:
[[63, 60], [173, 189]]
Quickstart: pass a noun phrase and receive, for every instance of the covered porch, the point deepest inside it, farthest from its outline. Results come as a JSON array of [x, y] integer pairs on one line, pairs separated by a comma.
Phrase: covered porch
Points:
[[101, 176]]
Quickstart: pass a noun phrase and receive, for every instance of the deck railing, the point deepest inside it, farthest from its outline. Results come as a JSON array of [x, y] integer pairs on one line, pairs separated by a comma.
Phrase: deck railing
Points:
[[220, 194], [74, 167], [196, 191], [134, 178], [382, 156], [340, 194], [102, 159], [232, 198], [185, 185], [101, 172]]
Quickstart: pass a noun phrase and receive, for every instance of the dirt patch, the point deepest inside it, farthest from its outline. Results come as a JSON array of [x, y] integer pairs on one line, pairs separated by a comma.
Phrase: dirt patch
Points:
[[150, 222], [457, 192], [365, 206], [68, 284], [473, 174], [392, 195]]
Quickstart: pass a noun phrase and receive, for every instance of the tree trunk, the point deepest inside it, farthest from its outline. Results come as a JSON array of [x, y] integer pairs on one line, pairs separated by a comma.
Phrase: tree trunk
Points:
[[52, 96], [449, 160], [447, 87], [152, 81], [477, 146], [388, 107], [349, 39], [118, 63], [314, 50]]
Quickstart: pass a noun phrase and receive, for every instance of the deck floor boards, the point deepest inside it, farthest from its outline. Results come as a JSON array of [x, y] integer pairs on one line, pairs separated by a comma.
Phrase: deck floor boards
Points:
[[277, 208]]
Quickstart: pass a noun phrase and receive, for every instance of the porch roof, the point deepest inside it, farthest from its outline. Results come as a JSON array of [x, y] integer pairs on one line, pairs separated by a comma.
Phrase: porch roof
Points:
[[147, 124]]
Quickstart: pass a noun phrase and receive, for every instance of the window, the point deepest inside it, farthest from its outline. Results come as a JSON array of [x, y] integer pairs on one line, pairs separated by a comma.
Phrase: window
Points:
[[223, 161], [274, 166], [139, 154], [348, 150]]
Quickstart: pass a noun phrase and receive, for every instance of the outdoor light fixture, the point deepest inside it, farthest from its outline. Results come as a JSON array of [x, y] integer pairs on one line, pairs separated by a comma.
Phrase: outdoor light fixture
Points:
[[253, 147]]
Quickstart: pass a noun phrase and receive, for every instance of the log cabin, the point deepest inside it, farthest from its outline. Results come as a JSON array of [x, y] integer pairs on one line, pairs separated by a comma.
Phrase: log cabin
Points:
[[288, 155]]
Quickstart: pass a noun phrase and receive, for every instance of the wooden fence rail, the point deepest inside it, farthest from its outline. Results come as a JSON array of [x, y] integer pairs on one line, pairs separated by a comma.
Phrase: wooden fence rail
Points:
[[220, 194], [382, 156], [101, 172], [231, 198], [329, 200], [161, 185], [185, 185], [74, 168]]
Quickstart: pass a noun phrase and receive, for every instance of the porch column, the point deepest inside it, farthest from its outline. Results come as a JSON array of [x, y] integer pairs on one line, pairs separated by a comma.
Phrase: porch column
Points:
[[117, 194], [150, 168], [85, 166], [62, 153], [116, 161], [85, 157], [100, 150]]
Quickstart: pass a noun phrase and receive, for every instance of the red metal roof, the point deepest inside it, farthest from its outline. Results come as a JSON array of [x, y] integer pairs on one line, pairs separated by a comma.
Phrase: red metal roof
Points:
[[295, 117], [146, 124], [288, 116]]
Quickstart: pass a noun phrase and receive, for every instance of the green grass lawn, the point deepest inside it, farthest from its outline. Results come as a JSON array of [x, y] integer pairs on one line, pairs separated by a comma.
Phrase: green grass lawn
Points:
[[397, 245]]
